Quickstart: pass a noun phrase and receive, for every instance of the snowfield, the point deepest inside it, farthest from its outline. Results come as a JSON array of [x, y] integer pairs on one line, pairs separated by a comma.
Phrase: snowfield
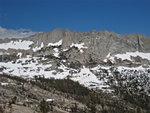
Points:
[[99, 77], [25, 45], [127, 56], [30, 66]]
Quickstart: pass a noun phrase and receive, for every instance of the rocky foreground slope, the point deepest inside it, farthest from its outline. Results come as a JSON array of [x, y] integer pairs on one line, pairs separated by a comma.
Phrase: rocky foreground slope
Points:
[[114, 64]]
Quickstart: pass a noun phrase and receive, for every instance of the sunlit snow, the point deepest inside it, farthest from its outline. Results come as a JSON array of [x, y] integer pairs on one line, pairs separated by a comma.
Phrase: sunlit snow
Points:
[[25, 45], [133, 54], [56, 52], [55, 44], [38, 48], [79, 46], [127, 56]]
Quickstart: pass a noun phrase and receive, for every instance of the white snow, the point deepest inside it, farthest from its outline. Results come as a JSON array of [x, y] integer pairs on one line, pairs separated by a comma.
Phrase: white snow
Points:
[[19, 54], [79, 46], [16, 45], [63, 60], [30, 66], [140, 68], [133, 54], [110, 57], [4, 84], [65, 49], [38, 48], [49, 100], [127, 56], [25, 67], [56, 52], [56, 43], [87, 78]]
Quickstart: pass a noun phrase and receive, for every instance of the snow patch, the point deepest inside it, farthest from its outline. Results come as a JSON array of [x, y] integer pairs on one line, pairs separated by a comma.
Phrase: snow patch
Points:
[[25, 45], [56, 52], [55, 44], [4, 84], [65, 50], [87, 78], [127, 56], [49, 100], [79, 46], [38, 48], [19, 54]]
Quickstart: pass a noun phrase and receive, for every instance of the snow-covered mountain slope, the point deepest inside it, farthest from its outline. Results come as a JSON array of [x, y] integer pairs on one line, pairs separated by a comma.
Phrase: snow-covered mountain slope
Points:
[[31, 66], [100, 77], [25, 45], [98, 59]]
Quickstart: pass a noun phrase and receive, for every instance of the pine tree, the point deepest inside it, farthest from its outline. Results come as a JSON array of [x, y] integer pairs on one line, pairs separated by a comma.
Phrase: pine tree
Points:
[[92, 102], [44, 108], [139, 110]]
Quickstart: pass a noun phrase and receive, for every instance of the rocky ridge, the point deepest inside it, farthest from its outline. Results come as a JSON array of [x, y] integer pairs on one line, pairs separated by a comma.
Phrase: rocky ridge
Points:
[[115, 64], [71, 53], [98, 43]]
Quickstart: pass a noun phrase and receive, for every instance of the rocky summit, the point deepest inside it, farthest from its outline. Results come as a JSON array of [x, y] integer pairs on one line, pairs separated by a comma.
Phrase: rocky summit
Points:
[[108, 63]]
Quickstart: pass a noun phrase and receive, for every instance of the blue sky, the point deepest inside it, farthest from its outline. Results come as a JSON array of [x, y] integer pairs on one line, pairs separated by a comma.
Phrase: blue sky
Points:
[[120, 16]]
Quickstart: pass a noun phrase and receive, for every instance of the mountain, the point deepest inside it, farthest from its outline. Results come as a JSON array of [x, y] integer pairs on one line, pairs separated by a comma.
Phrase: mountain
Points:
[[115, 64]]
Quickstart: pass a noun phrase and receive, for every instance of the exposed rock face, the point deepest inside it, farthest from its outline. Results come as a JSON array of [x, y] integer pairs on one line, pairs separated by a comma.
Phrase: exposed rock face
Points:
[[98, 43], [118, 65], [80, 56]]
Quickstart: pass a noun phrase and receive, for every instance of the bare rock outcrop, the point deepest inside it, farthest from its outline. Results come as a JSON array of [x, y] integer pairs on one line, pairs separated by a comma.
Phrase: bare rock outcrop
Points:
[[97, 44]]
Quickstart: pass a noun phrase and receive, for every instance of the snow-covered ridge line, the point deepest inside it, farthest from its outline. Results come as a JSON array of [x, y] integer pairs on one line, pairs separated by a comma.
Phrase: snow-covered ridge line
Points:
[[25, 45]]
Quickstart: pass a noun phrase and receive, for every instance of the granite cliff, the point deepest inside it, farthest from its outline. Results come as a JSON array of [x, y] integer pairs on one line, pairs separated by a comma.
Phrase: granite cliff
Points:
[[93, 45], [117, 65]]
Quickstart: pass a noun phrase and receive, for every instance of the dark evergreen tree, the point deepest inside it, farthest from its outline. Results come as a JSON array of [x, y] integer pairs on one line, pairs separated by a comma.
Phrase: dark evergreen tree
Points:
[[44, 107], [139, 110], [92, 102]]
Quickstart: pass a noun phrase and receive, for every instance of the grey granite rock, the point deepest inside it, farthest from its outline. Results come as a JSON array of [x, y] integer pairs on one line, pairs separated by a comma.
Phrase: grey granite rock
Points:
[[99, 43]]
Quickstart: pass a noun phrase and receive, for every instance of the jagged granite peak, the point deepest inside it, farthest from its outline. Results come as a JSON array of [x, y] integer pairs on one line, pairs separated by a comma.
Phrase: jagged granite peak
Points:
[[47, 37], [98, 43], [96, 59]]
